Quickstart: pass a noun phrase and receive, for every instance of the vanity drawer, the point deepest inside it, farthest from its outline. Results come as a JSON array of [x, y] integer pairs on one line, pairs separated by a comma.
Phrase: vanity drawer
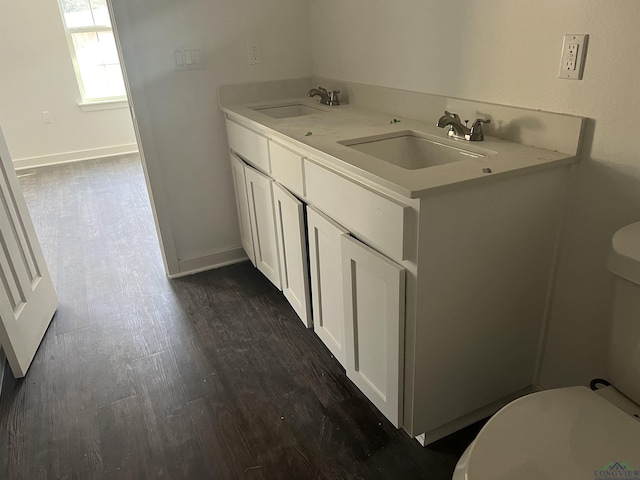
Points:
[[250, 145], [380, 221], [286, 168]]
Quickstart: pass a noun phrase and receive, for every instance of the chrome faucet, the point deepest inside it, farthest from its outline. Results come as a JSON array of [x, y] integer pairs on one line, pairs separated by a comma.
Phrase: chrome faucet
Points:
[[458, 130], [326, 98]]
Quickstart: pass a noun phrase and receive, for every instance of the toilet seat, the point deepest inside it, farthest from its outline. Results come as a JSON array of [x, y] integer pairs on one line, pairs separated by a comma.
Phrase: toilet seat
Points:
[[565, 433]]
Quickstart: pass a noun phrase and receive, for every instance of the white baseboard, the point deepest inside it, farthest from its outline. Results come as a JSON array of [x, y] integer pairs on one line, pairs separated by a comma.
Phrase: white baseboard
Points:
[[67, 157], [213, 260]]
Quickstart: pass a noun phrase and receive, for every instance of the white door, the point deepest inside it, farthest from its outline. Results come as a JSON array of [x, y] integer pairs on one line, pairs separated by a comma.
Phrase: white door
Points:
[[237, 169], [326, 281], [28, 299], [263, 224], [292, 240], [374, 302]]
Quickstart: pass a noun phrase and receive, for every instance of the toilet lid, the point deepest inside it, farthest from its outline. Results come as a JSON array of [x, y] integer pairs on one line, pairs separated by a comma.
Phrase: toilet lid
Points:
[[566, 433]]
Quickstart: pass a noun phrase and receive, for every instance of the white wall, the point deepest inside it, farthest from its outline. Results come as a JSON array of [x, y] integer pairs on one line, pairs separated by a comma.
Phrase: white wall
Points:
[[508, 52], [36, 74], [181, 128]]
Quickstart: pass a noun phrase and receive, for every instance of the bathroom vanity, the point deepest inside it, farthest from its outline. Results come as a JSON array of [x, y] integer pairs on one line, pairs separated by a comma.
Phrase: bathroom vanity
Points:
[[423, 263]]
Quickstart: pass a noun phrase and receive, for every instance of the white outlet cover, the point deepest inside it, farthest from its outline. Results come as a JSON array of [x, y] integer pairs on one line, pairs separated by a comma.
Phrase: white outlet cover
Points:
[[253, 52], [574, 50]]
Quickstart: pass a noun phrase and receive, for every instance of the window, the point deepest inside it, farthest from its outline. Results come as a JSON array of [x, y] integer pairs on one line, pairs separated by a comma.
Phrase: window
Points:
[[93, 50]]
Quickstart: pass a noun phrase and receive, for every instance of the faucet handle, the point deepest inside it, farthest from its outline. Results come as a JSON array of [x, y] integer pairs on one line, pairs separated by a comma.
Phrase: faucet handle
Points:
[[454, 115], [476, 133], [333, 98]]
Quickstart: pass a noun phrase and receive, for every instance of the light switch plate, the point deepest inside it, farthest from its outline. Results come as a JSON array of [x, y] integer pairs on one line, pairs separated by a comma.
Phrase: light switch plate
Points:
[[574, 49], [188, 58]]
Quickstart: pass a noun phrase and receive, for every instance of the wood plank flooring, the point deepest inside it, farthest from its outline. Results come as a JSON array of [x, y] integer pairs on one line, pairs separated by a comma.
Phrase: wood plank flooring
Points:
[[210, 376]]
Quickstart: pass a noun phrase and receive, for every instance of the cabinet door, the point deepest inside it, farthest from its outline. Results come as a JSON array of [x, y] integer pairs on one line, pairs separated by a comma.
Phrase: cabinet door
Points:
[[263, 225], [292, 241], [237, 169], [374, 301], [326, 281]]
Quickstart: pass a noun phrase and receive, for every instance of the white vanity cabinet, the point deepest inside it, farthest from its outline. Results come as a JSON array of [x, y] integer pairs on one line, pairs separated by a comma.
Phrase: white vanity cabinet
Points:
[[272, 226], [359, 311], [292, 241], [326, 281], [242, 203], [374, 310], [435, 305], [263, 224], [357, 293]]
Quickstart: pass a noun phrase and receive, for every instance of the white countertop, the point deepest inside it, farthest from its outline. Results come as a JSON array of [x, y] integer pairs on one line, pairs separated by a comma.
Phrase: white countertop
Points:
[[346, 122]]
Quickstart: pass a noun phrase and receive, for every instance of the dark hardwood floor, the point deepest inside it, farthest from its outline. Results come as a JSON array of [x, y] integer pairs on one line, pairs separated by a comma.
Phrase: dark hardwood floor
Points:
[[210, 376]]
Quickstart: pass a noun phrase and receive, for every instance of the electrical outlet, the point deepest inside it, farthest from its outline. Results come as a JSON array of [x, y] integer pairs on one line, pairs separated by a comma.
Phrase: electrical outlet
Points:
[[574, 49], [254, 53], [46, 117]]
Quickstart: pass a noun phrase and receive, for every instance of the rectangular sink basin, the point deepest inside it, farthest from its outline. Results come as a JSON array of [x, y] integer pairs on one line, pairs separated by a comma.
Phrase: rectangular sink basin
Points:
[[411, 150], [287, 111]]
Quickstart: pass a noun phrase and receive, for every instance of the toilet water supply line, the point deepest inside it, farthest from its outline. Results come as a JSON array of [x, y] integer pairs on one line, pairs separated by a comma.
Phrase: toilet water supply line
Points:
[[598, 381]]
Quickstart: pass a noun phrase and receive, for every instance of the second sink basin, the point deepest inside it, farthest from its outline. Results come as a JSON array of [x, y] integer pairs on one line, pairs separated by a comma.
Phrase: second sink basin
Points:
[[287, 111], [412, 150]]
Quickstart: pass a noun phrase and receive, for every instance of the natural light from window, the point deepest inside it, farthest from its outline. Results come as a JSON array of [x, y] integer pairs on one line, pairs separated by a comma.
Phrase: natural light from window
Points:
[[93, 50]]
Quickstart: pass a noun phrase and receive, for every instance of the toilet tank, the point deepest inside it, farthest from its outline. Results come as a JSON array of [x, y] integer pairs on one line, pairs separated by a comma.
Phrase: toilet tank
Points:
[[624, 347]]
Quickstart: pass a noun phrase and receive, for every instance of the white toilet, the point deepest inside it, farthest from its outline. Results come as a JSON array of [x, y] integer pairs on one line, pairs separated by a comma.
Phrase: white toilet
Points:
[[575, 432]]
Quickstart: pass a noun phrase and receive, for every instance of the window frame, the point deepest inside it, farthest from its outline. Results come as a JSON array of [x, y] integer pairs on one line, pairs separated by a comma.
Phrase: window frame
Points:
[[69, 31]]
